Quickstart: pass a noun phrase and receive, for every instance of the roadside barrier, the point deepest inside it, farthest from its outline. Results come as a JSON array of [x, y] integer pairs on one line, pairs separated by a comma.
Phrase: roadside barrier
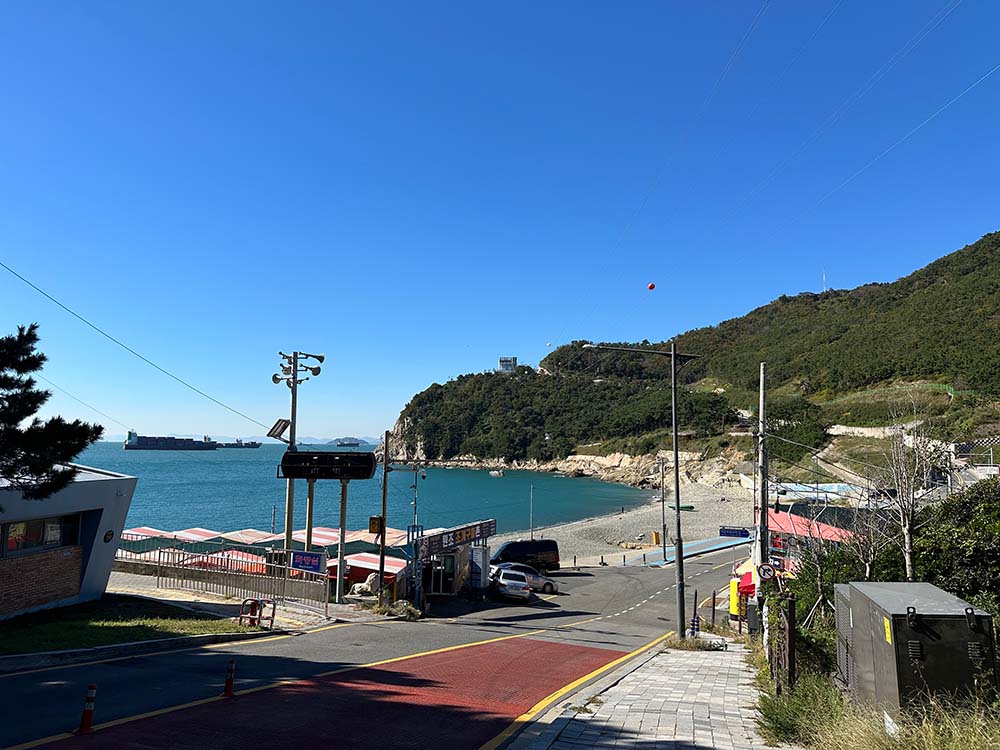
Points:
[[230, 675], [87, 717]]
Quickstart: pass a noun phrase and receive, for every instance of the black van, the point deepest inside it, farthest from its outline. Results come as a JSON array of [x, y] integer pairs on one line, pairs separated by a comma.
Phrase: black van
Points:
[[541, 554]]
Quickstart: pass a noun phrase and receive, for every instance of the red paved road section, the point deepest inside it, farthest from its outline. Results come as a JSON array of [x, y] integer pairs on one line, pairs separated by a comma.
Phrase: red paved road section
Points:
[[457, 699]]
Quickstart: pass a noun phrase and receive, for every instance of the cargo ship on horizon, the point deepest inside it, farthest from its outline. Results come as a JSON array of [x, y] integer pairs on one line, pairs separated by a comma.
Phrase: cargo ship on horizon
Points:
[[135, 442]]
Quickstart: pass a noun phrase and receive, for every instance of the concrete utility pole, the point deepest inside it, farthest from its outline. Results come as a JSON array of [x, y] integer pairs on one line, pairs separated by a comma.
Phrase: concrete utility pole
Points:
[[416, 471], [340, 540], [763, 541], [293, 383], [310, 497], [290, 376], [385, 492]]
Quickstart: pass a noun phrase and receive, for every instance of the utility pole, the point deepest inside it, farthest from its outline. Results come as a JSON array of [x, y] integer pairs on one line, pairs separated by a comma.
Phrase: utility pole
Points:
[[293, 383], [416, 470], [663, 514], [340, 540], [290, 376], [678, 542], [763, 542], [310, 497], [385, 492], [531, 511]]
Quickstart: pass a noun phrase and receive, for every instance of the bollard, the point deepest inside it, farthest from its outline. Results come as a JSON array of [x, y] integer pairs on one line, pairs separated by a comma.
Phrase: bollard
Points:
[[602, 560], [714, 594], [623, 561], [574, 561], [87, 717], [643, 558], [230, 675]]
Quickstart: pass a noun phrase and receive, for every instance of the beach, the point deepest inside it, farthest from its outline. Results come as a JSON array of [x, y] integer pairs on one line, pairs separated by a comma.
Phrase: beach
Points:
[[605, 535]]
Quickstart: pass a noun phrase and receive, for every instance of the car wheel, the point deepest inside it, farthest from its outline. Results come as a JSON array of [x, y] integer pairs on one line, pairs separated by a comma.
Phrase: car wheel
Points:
[[547, 588]]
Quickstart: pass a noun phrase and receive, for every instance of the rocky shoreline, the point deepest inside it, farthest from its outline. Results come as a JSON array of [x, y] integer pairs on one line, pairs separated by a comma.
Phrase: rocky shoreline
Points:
[[642, 471]]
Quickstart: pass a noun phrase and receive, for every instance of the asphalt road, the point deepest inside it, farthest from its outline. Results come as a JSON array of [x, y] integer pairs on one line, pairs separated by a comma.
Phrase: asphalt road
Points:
[[524, 653]]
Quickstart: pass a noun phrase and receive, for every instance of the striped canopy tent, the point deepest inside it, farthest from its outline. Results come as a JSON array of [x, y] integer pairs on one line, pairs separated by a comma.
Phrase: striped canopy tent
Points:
[[359, 565], [197, 539], [232, 559], [145, 539], [325, 538], [246, 536]]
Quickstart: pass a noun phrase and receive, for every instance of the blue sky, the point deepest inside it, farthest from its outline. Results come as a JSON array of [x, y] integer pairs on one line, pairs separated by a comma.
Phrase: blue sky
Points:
[[415, 189]]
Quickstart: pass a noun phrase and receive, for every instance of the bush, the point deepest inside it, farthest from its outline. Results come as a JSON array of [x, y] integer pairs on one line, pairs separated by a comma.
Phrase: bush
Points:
[[938, 727]]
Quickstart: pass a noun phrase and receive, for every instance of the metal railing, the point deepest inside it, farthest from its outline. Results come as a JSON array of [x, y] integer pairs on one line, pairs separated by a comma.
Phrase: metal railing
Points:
[[224, 568]]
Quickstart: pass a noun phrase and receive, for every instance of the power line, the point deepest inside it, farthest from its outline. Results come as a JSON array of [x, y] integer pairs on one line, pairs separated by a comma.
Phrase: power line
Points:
[[129, 349], [81, 401], [911, 132], [853, 100]]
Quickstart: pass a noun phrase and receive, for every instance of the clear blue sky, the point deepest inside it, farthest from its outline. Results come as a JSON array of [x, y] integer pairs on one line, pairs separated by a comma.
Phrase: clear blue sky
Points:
[[417, 188]]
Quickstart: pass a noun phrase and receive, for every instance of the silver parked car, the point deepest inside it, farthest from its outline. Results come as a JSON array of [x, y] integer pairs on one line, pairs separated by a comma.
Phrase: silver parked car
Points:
[[535, 579], [511, 583]]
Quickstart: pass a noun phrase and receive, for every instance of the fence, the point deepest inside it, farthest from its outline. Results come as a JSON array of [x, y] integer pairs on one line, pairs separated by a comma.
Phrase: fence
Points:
[[782, 651], [226, 569]]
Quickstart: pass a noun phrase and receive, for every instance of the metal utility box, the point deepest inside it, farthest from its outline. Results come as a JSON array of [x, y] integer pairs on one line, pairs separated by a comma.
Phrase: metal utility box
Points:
[[900, 643]]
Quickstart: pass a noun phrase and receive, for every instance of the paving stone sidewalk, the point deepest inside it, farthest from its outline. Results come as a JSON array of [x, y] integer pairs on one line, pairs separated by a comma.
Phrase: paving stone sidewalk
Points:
[[674, 700]]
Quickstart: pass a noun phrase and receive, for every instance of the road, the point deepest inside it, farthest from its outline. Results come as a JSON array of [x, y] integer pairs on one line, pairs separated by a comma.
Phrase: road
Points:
[[460, 677]]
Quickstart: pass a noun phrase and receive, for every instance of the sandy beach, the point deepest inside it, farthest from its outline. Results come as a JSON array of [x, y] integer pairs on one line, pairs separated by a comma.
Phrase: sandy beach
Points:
[[604, 535]]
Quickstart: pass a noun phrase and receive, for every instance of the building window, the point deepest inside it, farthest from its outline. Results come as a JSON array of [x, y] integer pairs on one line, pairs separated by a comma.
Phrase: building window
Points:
[[39, 534]]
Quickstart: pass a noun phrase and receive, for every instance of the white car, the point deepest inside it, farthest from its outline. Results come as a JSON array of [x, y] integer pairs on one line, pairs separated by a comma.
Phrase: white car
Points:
[[535, 579], [511, 583]]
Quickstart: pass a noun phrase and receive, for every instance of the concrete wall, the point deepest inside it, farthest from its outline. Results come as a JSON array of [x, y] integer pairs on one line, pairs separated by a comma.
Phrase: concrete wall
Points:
[[103, 498]]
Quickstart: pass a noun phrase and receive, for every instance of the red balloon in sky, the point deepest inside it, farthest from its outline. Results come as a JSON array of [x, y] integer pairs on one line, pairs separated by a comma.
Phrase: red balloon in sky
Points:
[[652, 286]]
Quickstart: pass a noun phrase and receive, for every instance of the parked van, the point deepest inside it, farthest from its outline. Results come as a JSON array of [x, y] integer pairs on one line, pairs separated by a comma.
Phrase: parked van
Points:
[[541, 554]]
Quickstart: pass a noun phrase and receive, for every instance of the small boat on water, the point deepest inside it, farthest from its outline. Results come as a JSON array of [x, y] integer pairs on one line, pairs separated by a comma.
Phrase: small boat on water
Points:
[[239, 444], [496, 473]]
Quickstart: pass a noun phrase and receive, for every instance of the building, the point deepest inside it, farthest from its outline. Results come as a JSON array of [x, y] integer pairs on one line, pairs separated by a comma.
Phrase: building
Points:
[[59, 550], [507, 364]]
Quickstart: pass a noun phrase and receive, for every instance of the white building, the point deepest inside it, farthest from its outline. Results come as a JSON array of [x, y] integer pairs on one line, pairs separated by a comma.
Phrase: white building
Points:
[[59, 550], [507, 364]]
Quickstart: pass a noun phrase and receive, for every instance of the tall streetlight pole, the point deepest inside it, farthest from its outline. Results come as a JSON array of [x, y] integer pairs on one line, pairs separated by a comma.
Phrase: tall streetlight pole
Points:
[[290, 375], [678, 541]]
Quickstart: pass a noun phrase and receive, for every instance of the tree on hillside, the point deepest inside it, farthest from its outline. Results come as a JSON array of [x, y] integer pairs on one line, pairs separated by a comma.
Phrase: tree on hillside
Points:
[[910, 461], [34, 453]]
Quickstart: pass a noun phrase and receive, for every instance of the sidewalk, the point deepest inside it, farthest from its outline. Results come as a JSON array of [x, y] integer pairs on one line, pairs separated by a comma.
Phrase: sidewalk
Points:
[[673, 700]]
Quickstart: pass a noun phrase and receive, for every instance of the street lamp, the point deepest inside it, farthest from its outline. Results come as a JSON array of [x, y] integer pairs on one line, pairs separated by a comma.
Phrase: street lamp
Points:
[[290, 372], [678, 542]]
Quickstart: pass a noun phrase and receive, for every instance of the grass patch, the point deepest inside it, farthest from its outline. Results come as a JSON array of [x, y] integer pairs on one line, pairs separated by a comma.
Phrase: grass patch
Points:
[[114, 618], [695, 644], [938, 727]]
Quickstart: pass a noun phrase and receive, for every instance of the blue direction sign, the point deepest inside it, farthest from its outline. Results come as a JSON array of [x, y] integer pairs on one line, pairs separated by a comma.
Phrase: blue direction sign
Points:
[[738, 531], [312, 562]]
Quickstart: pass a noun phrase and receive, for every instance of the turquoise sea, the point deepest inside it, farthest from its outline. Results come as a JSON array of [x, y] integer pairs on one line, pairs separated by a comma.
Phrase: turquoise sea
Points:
[[231, 489]]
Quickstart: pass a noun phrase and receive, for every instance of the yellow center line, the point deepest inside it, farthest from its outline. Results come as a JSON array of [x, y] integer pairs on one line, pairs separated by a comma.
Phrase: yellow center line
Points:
[[548, 700], [271, 685]]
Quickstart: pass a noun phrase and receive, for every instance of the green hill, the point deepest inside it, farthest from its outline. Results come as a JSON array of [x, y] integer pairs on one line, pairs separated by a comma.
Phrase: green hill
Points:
[[940, 323], [930, 340]]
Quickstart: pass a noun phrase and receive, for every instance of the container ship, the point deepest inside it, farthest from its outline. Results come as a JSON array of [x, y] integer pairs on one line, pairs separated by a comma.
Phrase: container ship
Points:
[[136, 442], [239, 444]]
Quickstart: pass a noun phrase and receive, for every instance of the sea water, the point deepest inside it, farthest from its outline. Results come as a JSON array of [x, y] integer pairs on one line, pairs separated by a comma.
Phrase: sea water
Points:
[[237, 488]]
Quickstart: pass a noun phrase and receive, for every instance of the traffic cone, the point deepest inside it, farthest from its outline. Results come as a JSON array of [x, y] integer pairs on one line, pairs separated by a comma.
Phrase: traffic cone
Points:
[[230, 674], [87, 717]]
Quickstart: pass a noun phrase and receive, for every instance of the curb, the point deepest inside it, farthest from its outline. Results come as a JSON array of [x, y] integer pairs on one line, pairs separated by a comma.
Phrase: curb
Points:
[[20, 662]]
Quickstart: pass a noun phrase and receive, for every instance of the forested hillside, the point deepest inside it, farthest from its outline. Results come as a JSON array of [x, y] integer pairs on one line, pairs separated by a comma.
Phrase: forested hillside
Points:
[[939, 324]]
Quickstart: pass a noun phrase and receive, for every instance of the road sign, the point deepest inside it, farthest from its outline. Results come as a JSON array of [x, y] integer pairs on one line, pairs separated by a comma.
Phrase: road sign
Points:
[[311, 562], [765, 571], [738, 531]]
